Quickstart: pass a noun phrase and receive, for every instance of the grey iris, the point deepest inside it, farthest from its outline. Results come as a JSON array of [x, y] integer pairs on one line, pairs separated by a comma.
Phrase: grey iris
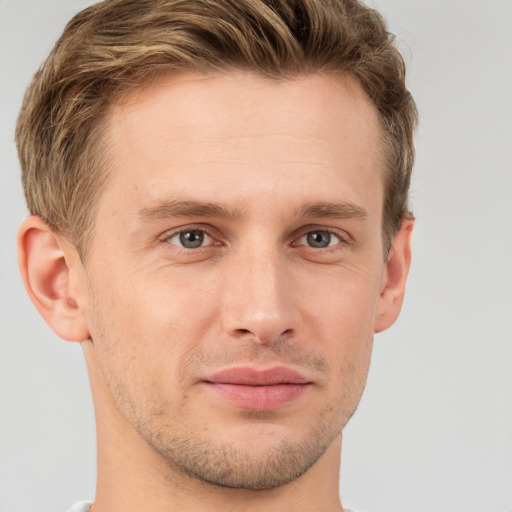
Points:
[[191, 239], [319, 239]]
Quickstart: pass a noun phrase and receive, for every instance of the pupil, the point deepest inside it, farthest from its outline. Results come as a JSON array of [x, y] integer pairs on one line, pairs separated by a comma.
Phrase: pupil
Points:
[[191, 239], [319, 239]]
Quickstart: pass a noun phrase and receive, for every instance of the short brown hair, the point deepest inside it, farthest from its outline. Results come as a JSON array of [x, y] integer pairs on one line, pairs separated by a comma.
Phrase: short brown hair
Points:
[[116, 45]]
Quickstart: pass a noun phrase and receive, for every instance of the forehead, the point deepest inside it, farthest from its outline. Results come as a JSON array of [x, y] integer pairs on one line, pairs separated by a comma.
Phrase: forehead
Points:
[[209, 135]]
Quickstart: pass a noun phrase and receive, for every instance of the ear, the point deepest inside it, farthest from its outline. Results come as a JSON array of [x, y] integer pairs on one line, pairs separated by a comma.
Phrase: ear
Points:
[[54, 278], [394, 278]]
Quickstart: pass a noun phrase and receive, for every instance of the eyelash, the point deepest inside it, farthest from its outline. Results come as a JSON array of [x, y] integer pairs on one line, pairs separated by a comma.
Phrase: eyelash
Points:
[[342, 240], [330, 233], [168, 236]]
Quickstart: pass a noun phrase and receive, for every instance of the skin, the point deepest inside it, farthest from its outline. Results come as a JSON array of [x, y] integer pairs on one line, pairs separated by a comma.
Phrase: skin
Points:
[[261, 170]]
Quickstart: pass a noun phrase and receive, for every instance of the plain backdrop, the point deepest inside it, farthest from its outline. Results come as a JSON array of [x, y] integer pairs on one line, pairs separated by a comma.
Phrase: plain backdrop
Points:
[[434, 430]]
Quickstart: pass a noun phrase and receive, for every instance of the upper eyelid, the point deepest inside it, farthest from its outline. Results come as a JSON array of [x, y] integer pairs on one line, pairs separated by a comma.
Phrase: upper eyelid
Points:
[[190, 227], [165, 239], [331, 232], [214, 233], [176, 233], [340, 242], [340, 233]]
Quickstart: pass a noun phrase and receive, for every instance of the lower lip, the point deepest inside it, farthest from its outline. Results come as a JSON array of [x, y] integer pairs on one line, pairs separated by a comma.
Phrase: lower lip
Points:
[[259, 398]]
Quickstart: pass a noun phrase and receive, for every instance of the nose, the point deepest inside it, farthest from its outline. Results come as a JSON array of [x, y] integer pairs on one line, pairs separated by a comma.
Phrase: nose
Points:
[[257, 299]]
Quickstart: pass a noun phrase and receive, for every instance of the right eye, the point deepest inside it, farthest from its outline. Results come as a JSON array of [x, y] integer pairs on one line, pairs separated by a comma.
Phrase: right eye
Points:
[[190, 238], [319, 239]]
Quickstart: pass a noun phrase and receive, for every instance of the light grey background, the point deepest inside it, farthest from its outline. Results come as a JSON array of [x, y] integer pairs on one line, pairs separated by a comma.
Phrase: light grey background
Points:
[[434, 430]]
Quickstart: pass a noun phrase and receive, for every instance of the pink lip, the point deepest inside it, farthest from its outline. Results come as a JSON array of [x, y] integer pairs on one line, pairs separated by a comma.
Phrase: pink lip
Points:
[[259, 390]]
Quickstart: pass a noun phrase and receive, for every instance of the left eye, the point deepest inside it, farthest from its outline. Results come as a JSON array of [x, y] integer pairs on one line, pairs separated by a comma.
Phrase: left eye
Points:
[[191, 239], [319, 239]]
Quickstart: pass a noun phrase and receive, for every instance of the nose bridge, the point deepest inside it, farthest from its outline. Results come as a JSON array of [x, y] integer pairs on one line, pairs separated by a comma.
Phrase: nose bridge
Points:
[[256, 298]]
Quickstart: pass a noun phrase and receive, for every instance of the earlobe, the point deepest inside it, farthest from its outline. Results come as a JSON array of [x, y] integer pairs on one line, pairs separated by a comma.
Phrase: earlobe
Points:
[[395, 277], [47, 265]]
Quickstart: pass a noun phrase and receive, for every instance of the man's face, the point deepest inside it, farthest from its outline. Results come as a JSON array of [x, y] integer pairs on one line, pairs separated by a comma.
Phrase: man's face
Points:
[[236, 269]]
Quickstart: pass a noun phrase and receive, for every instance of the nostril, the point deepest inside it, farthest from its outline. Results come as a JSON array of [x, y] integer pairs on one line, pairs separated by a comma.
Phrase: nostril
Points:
[[261, 336]]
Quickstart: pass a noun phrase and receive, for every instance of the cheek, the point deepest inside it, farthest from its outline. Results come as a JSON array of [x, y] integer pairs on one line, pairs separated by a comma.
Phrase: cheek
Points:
[[340, 322], [342, 303], [147, 328]]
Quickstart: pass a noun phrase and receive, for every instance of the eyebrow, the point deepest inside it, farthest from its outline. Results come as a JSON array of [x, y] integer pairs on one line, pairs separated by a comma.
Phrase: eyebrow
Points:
[[180, 208], [326, 210], [177, 208]]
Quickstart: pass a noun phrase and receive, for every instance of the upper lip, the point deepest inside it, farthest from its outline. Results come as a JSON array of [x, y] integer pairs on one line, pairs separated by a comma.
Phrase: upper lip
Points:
[[249, 376]]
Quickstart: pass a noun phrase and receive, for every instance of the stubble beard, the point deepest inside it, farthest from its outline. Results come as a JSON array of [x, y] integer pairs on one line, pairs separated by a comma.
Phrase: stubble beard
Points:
[[193, 451], [247, 462], [234, 466]]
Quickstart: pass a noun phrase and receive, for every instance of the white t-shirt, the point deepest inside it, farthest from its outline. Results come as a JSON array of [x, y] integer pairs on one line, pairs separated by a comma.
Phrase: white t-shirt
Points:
[[83, 506]]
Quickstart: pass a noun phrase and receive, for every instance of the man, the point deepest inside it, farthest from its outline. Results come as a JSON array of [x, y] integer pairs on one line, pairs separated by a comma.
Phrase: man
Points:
[[219, 215]]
